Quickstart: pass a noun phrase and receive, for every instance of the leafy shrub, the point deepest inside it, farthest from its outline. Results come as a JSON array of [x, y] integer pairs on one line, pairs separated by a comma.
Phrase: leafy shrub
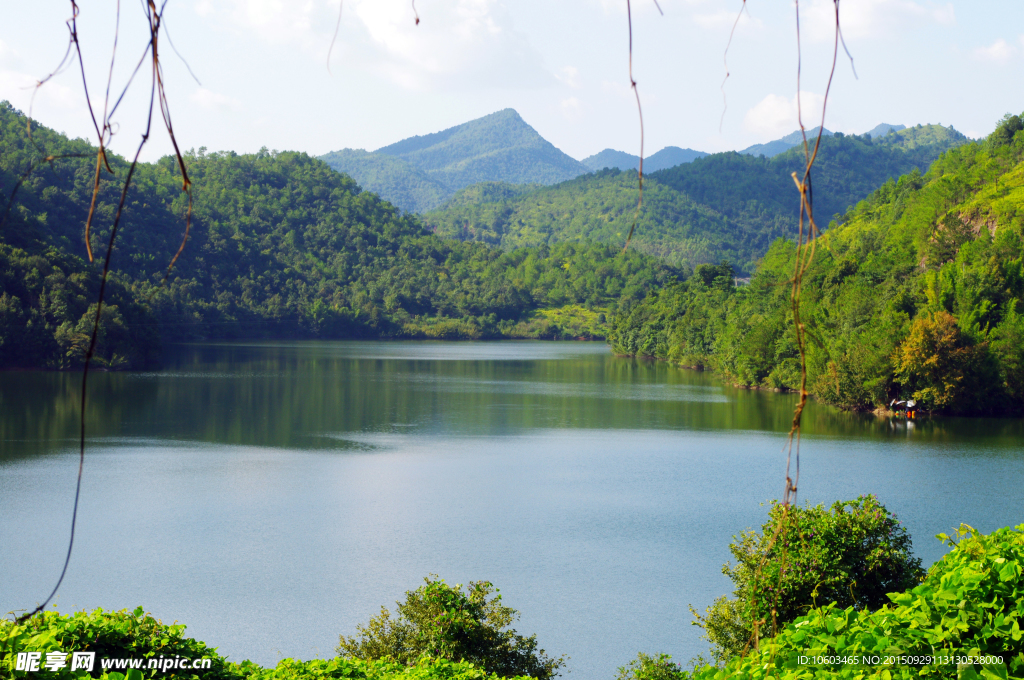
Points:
[[851, 554], [971, 604], [135, 635], [445, 622], [118, 635], [647, 667]]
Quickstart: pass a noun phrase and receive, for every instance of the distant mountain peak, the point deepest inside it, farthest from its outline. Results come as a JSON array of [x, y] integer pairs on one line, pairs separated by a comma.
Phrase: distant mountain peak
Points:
[[498, 147], [505, 118], [882, 129]]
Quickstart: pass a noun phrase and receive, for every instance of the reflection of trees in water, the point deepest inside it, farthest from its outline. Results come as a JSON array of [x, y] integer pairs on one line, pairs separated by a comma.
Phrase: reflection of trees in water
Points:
[[38, 409], [292, 395]]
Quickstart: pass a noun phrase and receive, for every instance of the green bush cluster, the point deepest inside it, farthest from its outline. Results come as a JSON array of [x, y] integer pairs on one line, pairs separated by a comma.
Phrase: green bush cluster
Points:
[[113, 634], [442, 621], [135, 634], [918, 293], [851, 554], [651, 667], [970, 606]]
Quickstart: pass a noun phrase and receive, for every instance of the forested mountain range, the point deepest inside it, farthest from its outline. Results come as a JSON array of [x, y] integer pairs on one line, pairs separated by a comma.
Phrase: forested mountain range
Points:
[[723, 206], [672, 156], [420, 173], [280, 246], [783, 144], [916, 293]]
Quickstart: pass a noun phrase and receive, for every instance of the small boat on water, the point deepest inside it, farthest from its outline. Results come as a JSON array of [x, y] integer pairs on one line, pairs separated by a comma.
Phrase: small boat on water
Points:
[[905, 408]]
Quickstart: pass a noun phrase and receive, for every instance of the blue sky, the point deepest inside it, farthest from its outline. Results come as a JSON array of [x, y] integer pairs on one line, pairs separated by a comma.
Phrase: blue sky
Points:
[[562, 64]]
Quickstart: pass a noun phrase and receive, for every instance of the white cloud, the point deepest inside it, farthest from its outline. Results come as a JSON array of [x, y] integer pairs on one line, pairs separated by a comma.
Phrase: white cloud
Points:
[[775, 115], [6, 52], [571, 109], [462, 45], [998, 52], [276, 21], [620, 89], [204, 8], [458, 45], [214, 101], [867, 19], [19, 88], [725, 19], [569, 75]]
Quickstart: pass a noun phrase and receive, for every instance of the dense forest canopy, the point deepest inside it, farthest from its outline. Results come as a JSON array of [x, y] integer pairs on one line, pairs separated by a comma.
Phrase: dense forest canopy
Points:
[[723, 206], [916, 293], [281, 246]]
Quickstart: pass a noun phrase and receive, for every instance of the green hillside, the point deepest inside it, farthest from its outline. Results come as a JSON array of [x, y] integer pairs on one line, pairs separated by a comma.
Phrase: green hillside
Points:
[[600, 206], [754, 190], [281, 246], [419, 173], [917, 293], [723, 206]]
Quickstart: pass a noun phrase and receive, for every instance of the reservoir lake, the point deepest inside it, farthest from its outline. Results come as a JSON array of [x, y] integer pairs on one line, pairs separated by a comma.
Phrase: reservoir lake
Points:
[[273, 495]]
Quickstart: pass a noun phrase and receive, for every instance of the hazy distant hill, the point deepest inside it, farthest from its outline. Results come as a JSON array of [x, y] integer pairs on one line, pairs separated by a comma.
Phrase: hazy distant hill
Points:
[[420, 172], [611, 158], [727, 205], [666, 158], [778, 146], [882, 129]]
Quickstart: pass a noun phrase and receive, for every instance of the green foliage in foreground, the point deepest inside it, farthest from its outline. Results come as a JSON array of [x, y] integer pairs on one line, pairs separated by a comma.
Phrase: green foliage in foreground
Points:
[[441, 621], [851, 555], [919, 293], [280, 246], [970, 606], [649, 667], [115, 634], [124, 634]]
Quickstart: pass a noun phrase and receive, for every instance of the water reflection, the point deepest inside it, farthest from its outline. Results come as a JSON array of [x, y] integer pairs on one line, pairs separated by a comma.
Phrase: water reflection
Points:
[[289, 394]]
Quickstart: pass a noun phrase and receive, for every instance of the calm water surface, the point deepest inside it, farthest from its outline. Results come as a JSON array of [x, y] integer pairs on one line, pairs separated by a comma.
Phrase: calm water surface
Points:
[[271, 496]]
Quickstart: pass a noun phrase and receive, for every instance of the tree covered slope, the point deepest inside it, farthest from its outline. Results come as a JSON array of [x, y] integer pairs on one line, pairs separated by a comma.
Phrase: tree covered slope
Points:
[[917, 293], [393, 179], [281, 245], [722, 206]]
